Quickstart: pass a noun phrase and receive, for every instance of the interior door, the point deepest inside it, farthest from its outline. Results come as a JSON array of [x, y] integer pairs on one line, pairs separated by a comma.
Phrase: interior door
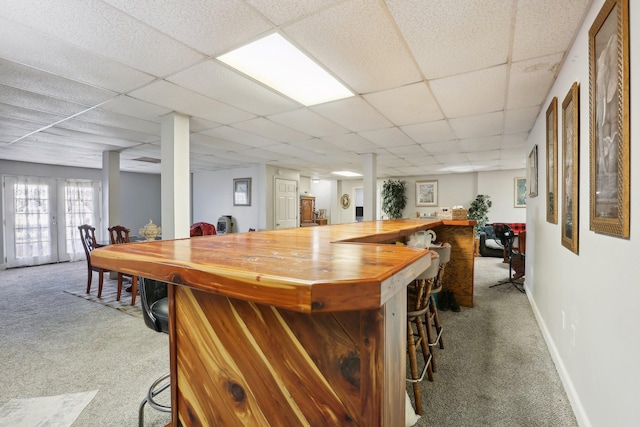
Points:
[[286, 206]]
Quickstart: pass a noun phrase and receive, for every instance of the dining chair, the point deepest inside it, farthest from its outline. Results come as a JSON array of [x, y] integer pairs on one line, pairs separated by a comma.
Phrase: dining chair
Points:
[[88, 237], [118, 235]]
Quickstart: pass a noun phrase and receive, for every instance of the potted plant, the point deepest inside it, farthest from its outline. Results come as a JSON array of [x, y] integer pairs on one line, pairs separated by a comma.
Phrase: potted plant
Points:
[[394, 198], [478, 210]]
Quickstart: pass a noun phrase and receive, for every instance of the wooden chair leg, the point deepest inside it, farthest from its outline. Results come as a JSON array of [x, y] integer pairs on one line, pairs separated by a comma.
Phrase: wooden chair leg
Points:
[[436, 322], [119, 287], [134, 289], [100, 282], [90, 277], [413, 364]]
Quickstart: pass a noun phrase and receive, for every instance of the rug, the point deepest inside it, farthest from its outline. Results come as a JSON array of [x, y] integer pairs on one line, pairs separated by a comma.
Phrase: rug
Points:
[[108, 299], [48, 411]]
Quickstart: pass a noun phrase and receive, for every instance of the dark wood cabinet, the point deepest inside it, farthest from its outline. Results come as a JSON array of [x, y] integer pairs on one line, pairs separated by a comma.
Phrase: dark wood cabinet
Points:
[[307, 209]]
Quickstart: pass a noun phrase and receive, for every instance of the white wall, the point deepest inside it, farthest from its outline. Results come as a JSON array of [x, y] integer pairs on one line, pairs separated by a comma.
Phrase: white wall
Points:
[[596, 289], [500, 185]]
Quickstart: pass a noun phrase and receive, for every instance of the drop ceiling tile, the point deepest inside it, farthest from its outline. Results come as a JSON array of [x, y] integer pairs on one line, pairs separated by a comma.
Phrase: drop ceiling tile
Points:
[[133, 107], [30, 79], [218, 82], [514, 140], [444, 147], [184, 101], [530, 81], [260, 153], [390, 137], [119, 121], [196, 124], [11, 123], [239, 137], [479, 39], [479, 125], [12, 112], [359, 43], [451, 158], [406, 105], [205, 144], [545, 27], [89, 137], [477, 156], [106, 131], [351, 142], [98, 27], [271, 129], [471, 93], [65, 143], [481, 144], [211, 26], [397, 162], [512, 153], [306, 121], [521, 119], [408, 151], [429, 132], [281, 12], [353, 113], [45, 53], [34, 101], [290, 150]]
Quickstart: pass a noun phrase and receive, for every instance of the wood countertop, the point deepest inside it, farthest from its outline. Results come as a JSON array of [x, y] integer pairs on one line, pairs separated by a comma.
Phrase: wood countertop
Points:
[[341, 267]]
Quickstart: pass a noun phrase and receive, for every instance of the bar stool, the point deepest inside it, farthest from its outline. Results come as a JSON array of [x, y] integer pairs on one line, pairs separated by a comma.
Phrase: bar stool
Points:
[[434, 327], [417, 310]]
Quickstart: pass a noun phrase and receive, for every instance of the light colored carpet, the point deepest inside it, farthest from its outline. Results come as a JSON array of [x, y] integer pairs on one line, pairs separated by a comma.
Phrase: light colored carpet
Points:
[[495, 369], [108, 299], [49, 411]]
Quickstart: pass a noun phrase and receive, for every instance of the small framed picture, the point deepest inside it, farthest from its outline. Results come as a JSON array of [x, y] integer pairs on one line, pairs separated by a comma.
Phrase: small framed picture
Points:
[[532, 171], [520, 192], [426, 193], [242, 192]]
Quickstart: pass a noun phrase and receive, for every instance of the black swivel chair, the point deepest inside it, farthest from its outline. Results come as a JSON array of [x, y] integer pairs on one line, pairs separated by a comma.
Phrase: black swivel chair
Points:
[[155, 310], [505, 235]]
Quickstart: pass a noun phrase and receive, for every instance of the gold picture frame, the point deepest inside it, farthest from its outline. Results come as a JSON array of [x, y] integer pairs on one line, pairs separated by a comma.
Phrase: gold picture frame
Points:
[[552, 161], [532, 172], [609, 210], [570, 168]]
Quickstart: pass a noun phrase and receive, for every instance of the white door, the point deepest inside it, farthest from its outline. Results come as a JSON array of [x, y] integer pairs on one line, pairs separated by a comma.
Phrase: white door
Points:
[[41, 219], [286, 204]]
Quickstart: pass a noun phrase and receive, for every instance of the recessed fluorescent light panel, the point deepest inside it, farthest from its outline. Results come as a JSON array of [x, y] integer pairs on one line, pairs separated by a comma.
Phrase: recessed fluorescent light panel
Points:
[[346, 173], [278, 64]]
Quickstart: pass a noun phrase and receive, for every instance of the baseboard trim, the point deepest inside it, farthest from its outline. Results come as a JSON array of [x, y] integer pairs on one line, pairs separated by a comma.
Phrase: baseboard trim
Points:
[[572, 394]]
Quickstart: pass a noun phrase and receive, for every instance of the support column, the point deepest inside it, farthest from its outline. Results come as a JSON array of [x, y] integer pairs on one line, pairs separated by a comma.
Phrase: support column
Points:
[[370, 171], [110, 191], [175, 178]]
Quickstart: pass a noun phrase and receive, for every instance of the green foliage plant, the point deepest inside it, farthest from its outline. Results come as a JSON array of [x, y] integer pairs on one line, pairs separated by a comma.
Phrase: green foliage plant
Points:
[[478, 210], [394, 198]]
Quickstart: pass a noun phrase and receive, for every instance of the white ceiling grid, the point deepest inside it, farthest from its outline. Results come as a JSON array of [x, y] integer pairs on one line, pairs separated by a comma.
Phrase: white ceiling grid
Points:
[[440, 86]]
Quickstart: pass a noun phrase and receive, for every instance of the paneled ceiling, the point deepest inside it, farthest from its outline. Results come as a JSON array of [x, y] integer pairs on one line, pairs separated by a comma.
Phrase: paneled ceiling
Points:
[[442, 86]]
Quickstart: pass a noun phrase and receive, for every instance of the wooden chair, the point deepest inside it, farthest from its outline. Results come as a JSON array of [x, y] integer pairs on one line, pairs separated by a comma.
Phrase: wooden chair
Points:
[[119, 234], [88, 237]]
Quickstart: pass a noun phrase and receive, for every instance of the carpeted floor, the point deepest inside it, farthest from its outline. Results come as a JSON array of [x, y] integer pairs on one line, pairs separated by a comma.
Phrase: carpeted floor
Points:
[[495, 369]]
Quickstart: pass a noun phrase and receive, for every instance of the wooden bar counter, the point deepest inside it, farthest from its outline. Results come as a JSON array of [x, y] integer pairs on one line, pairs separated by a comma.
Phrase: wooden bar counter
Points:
[[304, 326]]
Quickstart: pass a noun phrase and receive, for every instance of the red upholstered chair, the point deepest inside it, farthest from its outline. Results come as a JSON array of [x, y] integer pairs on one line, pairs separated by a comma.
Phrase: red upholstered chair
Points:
[[202, 229]]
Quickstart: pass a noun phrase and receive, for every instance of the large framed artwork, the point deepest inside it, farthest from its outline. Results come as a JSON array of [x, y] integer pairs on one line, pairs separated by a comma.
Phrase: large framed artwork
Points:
[[532, 171], [570, 168], [552, 161], [520, 192], [426, 193], [609, 209]]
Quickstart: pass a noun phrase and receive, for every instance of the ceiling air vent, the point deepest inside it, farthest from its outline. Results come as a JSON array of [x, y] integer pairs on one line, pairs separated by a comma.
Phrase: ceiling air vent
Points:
[[147, 159]]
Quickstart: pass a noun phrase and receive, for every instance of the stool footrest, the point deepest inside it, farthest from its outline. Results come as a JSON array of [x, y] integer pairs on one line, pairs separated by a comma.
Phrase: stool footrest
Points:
[[422, 373], [437, 340]]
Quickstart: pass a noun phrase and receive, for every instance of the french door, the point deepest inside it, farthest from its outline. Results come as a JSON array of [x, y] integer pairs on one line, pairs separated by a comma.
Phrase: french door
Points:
[[42, 218]]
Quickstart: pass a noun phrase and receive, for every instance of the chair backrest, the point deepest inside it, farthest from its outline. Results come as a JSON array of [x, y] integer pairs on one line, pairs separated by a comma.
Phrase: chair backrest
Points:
[[118, 234], [88, 237], [202, 229], [151, 291]]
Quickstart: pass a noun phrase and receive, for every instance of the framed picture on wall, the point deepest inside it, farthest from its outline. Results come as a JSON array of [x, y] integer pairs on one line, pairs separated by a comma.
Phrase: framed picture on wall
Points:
[[552, 161], [570, 169], [520, 192], [532, 171], [426, 193], [242, 192], [609, 120]]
